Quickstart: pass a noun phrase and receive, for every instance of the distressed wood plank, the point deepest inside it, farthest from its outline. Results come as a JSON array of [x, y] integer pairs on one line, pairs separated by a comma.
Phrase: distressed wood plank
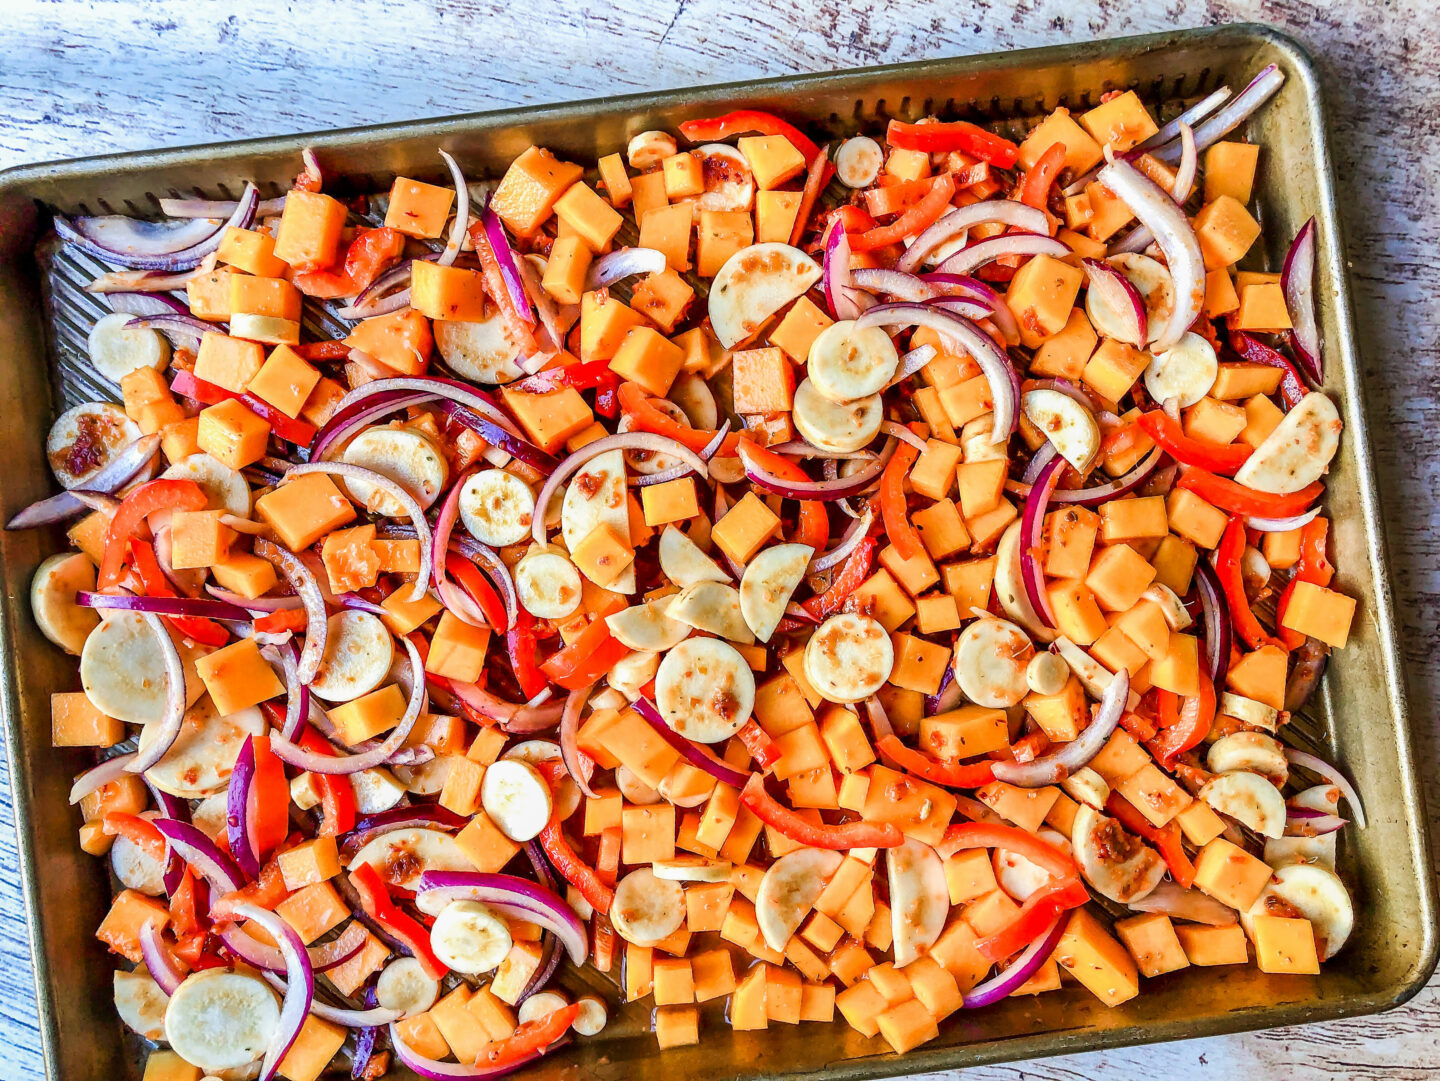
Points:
[[84, 78]]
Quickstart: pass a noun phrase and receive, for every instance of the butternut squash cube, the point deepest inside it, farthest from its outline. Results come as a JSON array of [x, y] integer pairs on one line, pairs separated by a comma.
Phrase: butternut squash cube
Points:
[[165, 1065], [775, 213], [662, 298], [1060, 716], [1284, 944], [1081, 151], [272, 297], [549, 417], [970, 582], [1088, 953], [773, 159], [1113, 368], [1042, 295], [252, 251], [1321, 613], [965, 732], [1230, 874], [482, 843], [763, 381], [310, 863], [646, 357], [530, 189], [916, 574], [418, 209], [861, 1006], [1118, 576], [209, 295], [919, 665], [744, 528], [310, 227], [1150, 937], [457, 649], [1262, 307], [747, 1004], [75, 722], [673, 501], [1026, 807], [130, 911], [401, 340], [721, 234], [1206, 946], [1220, 296], [908, 1025], [1064, 354], [228, 362], [590, 216], [369, 715], [1121, 123], [305, 509], [313, 910], [667, 229], [1133, 518], [237, 676], [1179, 670], [284, 380], [1225, 230], [1230, 170], [447, 292], [1077, 616], [1154, 794]]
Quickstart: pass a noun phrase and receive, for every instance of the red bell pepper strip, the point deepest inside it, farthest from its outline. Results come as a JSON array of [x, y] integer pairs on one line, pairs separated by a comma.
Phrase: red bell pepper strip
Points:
[[480, 590], [919, 217], [1166, 838], [757, 741], [573, 869], [817, 175], [584, 376], [375, 900], [964, 835], [1292, 386], [322, 350], [716, 129], [1314, 567], [529, 1040], [1227, 561], [299, 432], [140, 831], [519, 328], [853, 219], [286, 619], [951, 774], [153, 495], [607, 397], [852, 574], [1183, 722], [267, 811], [958, 135], [337, 794], [184, 905], [636, 404], [813, 527], [1034, 189], [898, 526], [1235, 498], [587, 658], [1040, 910], [147, 566], [369, 253], [1205, 454], [520, 641], [836, 838]]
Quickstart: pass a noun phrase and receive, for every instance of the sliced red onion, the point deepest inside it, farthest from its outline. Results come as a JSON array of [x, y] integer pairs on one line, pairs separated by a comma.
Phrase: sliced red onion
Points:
[[163, 606], [118, 472], [577, 764], [297, 692], [161, 963], [147, 281], [361, 1019], [1032, 526], [693, 753], [237, 806], [1180, 903], [954, 222], [1112, 489], [184, 331], [515, 896], [1153, 206], [552, 322], [678, 471], [429, 815], [174, 807], [947, 697], [436, 1070], [894, 283], [814, 490], [169, 726], [252, 604], [97, 777], [1283, 525], [1315, 764], [514, 717], [203, 855], [1054, 768], [623, 263], [839, 285], [509, 272], [999, 373], [987, 251], [1301, 822], [323, 957], [1003, 984], [146, 304], [500, 439], [912, 362], [963, 287], [902, 433], [1297, 279], [1191, 116], [490, 561], [1235, 113], [307, 587], [1189, 165], [455, 599], [300, 992], [849, 541], [462, 212], [1107, 285], [217, 208], [140, 245], [1219, 630]]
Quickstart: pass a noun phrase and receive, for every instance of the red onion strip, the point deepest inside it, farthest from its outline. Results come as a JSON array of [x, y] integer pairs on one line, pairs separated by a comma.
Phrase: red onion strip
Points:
[[1026, 965], [1113, 489], [987, 251], [954, 222], [509, 272], [817, 490], [299, 993], [849, 541], [1235, 113], [97, 777], [577, 764], [839, 285], [1053, 768], [159, 961], [307, 588], [1315, 764], [116, 473], [543, 906], [623, 263], [1031, 529], [123, 241], [693, 753], [204, 856], [1297, 279], [462, 212]]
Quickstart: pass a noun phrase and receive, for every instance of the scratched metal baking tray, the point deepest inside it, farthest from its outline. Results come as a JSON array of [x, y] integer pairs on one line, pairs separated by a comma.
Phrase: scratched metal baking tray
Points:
[[1361, 717]]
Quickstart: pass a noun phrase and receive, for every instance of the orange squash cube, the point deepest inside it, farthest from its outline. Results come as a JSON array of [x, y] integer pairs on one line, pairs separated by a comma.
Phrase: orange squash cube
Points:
[[720, 235], [400, 340], [457, 649], [447, 292], [763, 379], [564, 278], [75, 722], [252, 251], [648, 358], [199, 539], [232, 434], [775, 214], [667, 229], [549, 417], [305, 509], [228, 362], [590, 216], [418, 209], [369, 715], [310, 227], [482, 843], [1321, 613], [237, 676], [284, 380], [530, 188]]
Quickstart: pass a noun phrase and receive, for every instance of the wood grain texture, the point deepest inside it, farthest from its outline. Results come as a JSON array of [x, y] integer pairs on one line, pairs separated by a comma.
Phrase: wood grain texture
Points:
[[82, 77]]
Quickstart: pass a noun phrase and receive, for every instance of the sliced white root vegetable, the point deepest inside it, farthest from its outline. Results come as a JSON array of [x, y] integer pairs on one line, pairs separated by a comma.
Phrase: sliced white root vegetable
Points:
[[548, 585], [209, 815], [847, 362], [1010, 586], [1321, 797], [426, 779], [1086, 786], [123, 674], [849, 658], [221, 1020], [649, 462], [858, 161], [1113, 862], [633, 788], [837, 428], [376, 790], [991, 658], [516, 798], [304, 794], [607, 698], [1046, 674], [405, 985], [729, 183], [648, 149], [567, 793], [684, 563], [591, 1019], [1017, 876], [52, 600], [140, 1003], [769, 581], [1318, 850], [1093, 675], [631, 672], [265, 328], [1185, 372], [1317, 894], [754, 284], [647, 909], [976, 440], [919, 898], [358, 653], [481, 351], [407, 457], [469, 937], [540, 1004], [225, 488], [402, 856], [696, 400], [497, 507], [1067, 424], [116, 350], [1298, 451], [1171, 606], [201, 759], [789, 889], [692, 869], [648, 626], [683, 788], [135, 868], [595, 496], [1152, 280], [714, 607], [704, 690], [84, 439], [1248, 798], [1253, 751]]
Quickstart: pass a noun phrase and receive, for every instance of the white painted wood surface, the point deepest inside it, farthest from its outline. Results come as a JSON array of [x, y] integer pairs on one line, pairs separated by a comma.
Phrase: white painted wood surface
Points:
[[84, 77]]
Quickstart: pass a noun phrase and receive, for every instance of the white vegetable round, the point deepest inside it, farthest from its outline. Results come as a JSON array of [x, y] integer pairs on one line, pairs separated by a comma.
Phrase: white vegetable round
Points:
[[591, 1019], [140, 1003], [684, 563], [595, 496], [497, 508], [135, 868], [481, 351], [409, 458], [1017, 876], [713, 607], [1155, 285], [52, 600], [649, 462], [649, 149], [1254, 751], [705, 690], [402, 856], [768, 583], [692, 869], [1086, 786], [201, 759], [358, 653], [1069, 426], [116, 349], [837, 428], [1298, 451], [1319, 895], [1185, 372], [849, 658], [633, 788], [1046, 674], [1114, 862], [858, 161], [648, 626], [848, 362], [729, 184], [788, 891], [84, 439], [647, 909], [469, 937], [632, 671], [548, 585], [539, 1005], [221, 1020], [122, 671], [1248, 798], [566, 794], [919, 898], [376, 790], [696, 400], [405, 985], [992, 658], [754, 284], [516, 798], [210, 815], [225, 488]]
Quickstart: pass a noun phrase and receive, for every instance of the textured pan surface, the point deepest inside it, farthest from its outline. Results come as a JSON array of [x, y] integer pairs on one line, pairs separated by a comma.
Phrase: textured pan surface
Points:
[[1360, 718]]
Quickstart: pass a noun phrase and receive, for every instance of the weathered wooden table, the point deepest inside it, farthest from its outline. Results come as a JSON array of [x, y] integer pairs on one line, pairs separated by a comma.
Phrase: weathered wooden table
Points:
[[80, 78]]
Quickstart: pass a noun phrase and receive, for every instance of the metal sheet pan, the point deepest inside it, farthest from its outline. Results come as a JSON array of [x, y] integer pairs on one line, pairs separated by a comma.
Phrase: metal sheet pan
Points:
[[1361, 717]]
